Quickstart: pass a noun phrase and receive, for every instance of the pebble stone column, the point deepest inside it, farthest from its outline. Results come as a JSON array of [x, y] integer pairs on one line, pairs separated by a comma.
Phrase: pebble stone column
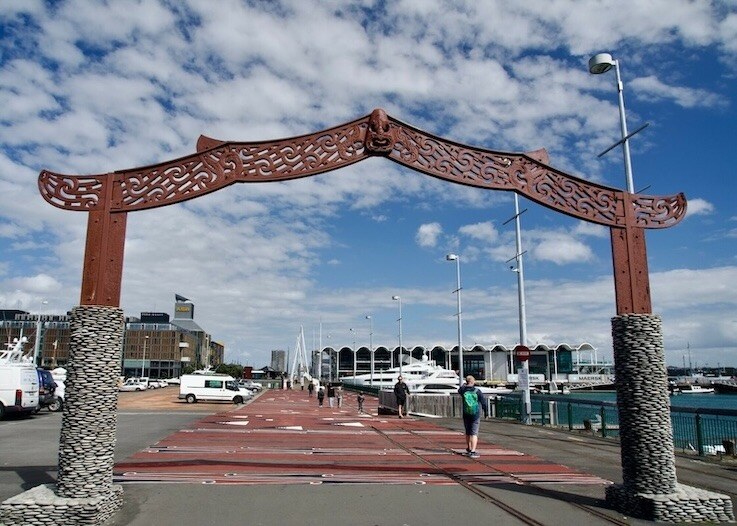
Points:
[[89, 420], [646, 434]]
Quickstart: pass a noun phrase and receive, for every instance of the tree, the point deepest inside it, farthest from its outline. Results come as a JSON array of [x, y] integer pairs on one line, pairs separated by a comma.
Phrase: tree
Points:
[[233, 369]]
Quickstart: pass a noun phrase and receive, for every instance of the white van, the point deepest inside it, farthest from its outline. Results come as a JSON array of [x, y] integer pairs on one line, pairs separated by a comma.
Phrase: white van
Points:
[[211, 388], [18, 381]]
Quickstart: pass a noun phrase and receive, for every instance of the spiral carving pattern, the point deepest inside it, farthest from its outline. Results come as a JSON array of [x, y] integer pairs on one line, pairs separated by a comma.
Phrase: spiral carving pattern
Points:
[[539, 182], [71, 192], [225, 163]]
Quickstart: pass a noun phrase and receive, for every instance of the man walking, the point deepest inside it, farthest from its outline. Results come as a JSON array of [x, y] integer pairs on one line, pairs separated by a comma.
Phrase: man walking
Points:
[[473, 401], [400, 393]]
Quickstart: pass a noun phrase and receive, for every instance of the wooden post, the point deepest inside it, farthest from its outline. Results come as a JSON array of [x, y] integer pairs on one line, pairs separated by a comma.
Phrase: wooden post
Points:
[[103, 253], [629, 257]]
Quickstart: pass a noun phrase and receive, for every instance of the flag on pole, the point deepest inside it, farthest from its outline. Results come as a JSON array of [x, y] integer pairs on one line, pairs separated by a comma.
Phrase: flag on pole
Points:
[[180, 297]]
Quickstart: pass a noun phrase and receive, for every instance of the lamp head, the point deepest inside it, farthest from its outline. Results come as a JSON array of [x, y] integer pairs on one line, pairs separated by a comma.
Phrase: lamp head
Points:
[[396, 298], [601, 63], [451, 257]]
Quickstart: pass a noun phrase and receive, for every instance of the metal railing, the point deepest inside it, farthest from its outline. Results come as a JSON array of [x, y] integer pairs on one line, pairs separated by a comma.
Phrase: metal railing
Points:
[[704, 431]]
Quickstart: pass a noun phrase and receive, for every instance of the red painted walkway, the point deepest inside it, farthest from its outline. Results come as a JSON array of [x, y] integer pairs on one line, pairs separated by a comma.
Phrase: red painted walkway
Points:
[[283, 437]]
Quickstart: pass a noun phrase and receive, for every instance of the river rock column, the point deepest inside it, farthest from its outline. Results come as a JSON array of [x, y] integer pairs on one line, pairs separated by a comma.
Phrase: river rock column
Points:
[[646, 434], [84, 494], [650, 489], [89, 421]]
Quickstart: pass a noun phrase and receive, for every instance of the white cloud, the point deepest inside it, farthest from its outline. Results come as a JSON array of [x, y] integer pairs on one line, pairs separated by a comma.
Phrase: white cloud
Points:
[[651, 88], [699, 207], [584, 228], [480, 231], [427, 235], [39, 284], [560, 248]]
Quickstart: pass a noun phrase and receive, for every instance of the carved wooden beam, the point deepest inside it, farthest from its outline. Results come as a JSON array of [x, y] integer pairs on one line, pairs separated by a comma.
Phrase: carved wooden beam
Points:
[[218, 164]]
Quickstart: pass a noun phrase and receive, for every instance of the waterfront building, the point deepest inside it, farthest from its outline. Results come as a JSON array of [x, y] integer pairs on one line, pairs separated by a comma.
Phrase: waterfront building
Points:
[[495, 363], [153, 345], [52, 346]]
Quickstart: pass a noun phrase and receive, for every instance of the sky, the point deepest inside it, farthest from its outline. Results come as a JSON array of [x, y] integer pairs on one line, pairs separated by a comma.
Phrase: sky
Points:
[[92, 87]]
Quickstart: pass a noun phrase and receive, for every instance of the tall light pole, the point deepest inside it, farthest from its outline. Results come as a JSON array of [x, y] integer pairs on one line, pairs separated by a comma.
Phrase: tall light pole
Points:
[[520, 270], [371, 347], [37, 340], [399, 299], [143, 362], [601, 63], [457, 259], [355, 351], [330, 361]]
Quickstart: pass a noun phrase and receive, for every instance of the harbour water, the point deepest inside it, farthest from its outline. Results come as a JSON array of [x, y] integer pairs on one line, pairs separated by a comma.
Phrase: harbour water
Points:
[[711, 400], [703, 432]]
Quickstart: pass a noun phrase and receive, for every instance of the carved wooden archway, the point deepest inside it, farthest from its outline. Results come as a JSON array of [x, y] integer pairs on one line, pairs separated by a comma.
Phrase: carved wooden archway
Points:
[[217, 164], [97, 324]]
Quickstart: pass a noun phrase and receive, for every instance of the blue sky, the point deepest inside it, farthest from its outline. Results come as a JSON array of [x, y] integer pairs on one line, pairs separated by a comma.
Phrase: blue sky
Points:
[[91, 87]]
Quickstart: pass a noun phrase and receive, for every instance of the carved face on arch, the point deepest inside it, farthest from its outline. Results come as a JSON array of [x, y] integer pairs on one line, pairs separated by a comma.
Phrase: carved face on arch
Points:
[[379, 136]]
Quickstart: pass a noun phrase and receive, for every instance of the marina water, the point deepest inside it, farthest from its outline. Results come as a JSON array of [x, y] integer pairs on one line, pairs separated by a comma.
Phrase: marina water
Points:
[[701, 422]]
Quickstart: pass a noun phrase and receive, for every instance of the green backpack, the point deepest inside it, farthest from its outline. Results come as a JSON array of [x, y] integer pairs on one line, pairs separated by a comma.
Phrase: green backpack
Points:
[[470, 402]]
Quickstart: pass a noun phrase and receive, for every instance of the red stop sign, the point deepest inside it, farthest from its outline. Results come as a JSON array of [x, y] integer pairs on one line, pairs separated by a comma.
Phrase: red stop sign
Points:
[[522, 352]]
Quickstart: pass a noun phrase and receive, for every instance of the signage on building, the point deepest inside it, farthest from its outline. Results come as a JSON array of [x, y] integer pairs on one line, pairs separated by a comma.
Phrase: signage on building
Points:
[[184, 310], [154, 317]]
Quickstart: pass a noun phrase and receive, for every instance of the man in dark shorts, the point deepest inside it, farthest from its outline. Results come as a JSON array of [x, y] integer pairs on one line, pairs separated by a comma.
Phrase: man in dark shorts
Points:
[[400, 393], [473, 402]]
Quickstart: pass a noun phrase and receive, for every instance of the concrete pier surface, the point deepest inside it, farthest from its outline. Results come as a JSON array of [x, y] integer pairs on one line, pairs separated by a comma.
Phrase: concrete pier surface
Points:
[[283, 460]]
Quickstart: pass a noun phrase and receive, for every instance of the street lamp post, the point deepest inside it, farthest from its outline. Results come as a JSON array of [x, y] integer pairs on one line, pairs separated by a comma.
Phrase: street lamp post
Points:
[[330, 361], [371, 348], [399, 299], [37, 340], [355, 351], [520, 270], [143, 361], [457, 259], [601, 63]]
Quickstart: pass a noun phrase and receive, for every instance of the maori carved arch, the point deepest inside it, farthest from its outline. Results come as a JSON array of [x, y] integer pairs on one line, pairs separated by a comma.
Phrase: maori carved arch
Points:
[[217, 164]]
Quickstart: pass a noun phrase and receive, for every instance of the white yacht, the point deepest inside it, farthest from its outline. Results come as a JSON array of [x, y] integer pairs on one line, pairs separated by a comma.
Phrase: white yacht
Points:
[[416, 374], [694, 389]]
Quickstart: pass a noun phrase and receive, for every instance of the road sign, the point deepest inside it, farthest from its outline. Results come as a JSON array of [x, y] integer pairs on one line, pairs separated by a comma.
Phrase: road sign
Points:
[[522, 352]]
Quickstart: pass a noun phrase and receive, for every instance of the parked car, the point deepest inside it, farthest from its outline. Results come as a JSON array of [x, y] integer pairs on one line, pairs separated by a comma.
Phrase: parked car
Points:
[[150, 383], [133, 384], [60, 376], [46, 389], [250, 385]]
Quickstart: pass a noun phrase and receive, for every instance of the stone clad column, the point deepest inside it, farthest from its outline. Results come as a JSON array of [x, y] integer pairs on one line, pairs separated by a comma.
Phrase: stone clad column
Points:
[[84, 494], [646, 434], [650, 489], [90, 409]]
